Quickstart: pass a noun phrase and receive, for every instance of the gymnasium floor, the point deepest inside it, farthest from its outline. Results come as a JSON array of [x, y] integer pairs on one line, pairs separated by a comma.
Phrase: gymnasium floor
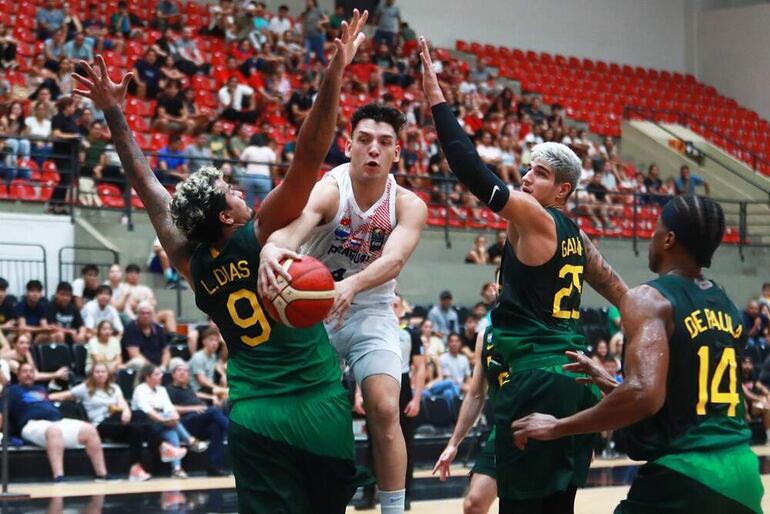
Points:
[[207, 495]]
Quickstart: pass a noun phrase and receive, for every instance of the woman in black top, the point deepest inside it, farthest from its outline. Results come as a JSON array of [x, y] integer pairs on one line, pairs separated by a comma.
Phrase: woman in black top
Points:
[[64, 129]]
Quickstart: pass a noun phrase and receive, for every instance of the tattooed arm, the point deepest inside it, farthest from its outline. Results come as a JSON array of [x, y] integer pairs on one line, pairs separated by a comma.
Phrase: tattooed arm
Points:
[[286, 202], [600, 275], [108, 96]]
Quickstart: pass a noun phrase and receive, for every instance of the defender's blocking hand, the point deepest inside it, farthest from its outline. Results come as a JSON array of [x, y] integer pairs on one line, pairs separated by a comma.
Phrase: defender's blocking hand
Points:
[[99, 87], [429, 79]]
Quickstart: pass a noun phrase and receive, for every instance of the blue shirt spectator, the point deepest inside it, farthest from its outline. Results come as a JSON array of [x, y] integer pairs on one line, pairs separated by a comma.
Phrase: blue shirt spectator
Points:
[[444, 318], [686, 183], [30, 402], [79, 48], [49, 20]]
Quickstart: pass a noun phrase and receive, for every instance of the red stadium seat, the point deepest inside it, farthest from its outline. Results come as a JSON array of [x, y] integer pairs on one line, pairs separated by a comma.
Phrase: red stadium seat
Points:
[[110, 196]]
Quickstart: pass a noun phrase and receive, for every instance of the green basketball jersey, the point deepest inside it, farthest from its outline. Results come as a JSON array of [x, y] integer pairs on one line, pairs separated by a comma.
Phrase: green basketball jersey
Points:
[[266, 358], [539, 307], [704, 407]]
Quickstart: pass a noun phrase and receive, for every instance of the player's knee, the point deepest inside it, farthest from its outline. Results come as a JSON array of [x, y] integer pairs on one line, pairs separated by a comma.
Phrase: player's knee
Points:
[[473, 504], [384, 412]]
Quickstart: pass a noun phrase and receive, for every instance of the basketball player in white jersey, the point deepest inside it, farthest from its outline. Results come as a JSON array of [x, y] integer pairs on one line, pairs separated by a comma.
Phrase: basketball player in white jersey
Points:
[[364, 227]]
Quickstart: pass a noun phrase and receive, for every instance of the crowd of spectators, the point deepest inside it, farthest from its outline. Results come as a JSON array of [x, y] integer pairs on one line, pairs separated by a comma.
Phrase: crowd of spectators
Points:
[[231, 89], [177, 403]]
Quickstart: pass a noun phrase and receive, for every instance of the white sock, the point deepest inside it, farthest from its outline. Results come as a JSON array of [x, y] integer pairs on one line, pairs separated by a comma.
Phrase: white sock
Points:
[[392, 502], [767, 433]]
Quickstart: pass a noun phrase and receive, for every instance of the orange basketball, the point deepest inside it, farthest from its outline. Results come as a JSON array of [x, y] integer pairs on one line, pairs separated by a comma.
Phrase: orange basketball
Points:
[[307, 299]]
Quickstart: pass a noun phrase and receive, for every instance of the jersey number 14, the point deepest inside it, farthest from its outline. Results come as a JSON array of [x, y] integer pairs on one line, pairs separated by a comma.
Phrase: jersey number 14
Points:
[[727, 364]]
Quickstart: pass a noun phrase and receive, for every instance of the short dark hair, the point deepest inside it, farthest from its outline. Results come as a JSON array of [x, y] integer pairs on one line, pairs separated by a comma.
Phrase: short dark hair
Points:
[[64, 287], [133, 268], [104, 288], [34, 285], [379, 114], [764, 286], [147, 370], [3, 284], [210, 331], [699, 224], [453, 334], [122, 4], [88, 268], [283, 7]]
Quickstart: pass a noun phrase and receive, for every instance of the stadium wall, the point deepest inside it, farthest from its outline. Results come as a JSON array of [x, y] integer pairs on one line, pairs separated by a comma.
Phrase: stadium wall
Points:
[[650, 33], [732, 54]]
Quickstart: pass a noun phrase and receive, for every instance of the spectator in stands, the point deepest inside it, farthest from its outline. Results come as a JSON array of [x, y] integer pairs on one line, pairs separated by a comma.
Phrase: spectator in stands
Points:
[[222, 17], [601, 351], [444, 316], [159, 263], [17, 147], [64, 317], [204, 422], [124, 22], [764, 297], [84, 288], [7, 49], [94, 160], [152, 398], [79, 49], [8, 302], [49, 19], [314, 20], [259, 158], [598, 205], [756, 326], [652, 180], [495, 251], [20, 354], [756, 394], [172, 165], [387, 17], [147, 76], [98, 34], [489, 295], [99, 309], [478, 254], [39, 126], [204, 363], [109, 412], [144, 341], [170, 114], [232, 102], [509, 162], [687, 182], [104, 348], [189, 58], [455, 374], [41, 424], [31, 312], [300, 102], [64, 130], [135, 293], [198, 154], [468, 337], [166, 15], [280, 24], [53, 50]]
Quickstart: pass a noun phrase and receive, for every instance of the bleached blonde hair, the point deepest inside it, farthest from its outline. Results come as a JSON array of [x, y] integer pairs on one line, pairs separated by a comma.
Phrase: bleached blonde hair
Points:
[[565, 163], [196, 205]]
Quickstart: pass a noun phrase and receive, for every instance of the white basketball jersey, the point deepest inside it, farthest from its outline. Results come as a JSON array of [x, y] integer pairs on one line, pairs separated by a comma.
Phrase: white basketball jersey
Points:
[[354, 239]]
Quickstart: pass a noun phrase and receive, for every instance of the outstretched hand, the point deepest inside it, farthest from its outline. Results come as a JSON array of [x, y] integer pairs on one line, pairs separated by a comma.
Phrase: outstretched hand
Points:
[[430, 83], [350, 39], [99, 87]]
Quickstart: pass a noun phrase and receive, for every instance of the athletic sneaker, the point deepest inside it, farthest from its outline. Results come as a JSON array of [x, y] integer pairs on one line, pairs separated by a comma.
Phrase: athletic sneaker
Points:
[[107, 478], [169, 453], [179, 473], [138, 474], [199, 446]]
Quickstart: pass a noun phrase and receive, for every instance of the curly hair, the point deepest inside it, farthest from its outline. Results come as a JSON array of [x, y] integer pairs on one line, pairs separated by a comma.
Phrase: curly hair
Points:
[[196, 205]]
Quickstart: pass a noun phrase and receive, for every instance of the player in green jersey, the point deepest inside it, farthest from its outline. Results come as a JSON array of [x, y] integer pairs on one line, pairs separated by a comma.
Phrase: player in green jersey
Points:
[[545, 262], [680, 398], [290, 435], [489, 374]]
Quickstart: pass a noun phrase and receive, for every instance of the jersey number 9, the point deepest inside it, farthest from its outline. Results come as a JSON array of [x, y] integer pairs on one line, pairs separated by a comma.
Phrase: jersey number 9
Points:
[[257, 316]]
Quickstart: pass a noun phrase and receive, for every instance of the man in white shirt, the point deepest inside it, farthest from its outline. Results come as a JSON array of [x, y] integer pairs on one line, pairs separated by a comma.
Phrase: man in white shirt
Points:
[[134, 293], [258, 157], [231, 102], [99, 309], [280, 24], [455, 374]]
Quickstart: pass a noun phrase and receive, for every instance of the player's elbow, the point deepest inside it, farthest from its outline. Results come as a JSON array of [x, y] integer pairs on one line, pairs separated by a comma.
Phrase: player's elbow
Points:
[[648, 401]]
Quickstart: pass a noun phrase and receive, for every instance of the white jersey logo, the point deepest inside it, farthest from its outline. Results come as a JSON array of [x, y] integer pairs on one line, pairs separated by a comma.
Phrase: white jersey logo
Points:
[[494, 190]]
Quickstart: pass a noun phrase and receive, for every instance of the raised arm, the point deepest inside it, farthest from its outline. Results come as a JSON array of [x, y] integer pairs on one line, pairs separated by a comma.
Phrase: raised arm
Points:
[[519, 209], [471, 408], [108, 97], [286, 201], [647, 316], [600, 275]]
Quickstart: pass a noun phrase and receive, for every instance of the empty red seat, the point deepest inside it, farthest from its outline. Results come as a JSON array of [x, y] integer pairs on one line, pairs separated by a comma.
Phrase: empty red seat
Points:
[[110, 196]]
